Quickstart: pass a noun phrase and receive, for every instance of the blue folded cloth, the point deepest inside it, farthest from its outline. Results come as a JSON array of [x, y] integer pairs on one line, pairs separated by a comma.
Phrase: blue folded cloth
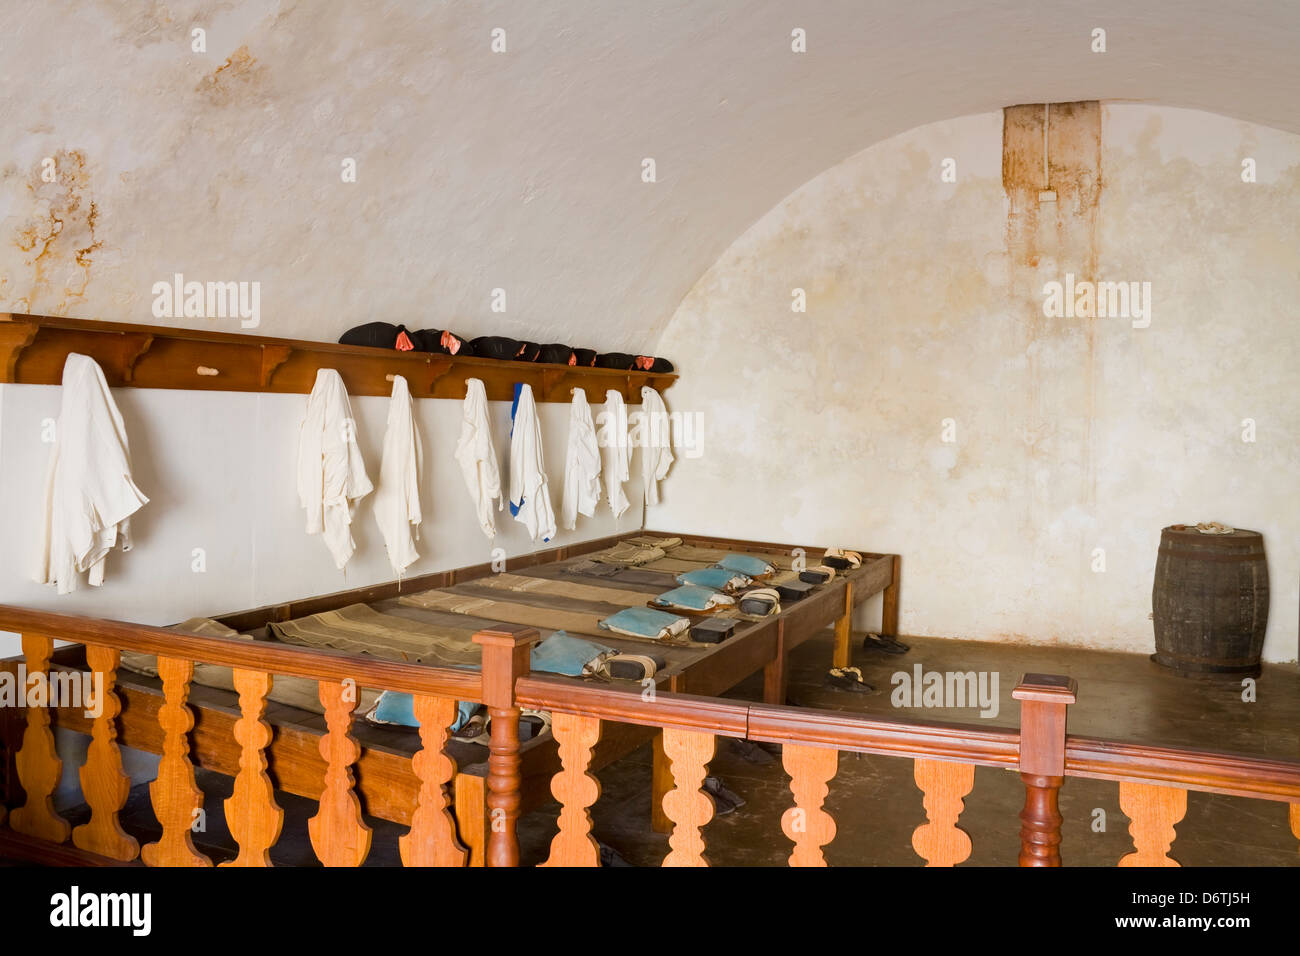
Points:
[[717, 578], [645, 622], [558, 654], [562, 654], [394, 707], [692, 597], [745, 564]]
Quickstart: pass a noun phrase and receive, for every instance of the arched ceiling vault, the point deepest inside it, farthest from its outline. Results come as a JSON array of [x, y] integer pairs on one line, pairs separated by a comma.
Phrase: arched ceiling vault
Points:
[[522, 170]]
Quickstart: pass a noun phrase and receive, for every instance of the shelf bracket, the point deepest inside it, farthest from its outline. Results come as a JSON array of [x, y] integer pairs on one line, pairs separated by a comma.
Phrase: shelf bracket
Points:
[[15, 335], [134, 345], [273, 356]]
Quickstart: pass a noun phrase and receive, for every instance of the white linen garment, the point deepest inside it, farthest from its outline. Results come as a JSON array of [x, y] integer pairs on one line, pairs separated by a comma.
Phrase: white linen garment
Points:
[[89, 493], [530, 498], [581, 464], [331, 473], [618, 467], [656, 439], [397, 499], [477, 457]]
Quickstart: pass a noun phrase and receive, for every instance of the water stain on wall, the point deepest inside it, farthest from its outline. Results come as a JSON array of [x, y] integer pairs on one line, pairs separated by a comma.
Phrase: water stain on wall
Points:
[[1054, 148], [234, 80], [58, 236]]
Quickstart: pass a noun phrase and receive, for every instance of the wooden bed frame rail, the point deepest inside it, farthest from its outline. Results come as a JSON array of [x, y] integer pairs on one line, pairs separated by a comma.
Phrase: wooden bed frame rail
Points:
[[1153, 781]]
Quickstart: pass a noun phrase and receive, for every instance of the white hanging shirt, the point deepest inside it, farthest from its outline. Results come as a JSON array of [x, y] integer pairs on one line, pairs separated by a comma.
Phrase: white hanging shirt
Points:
[[89, 493], [530, 498], [331, 473], [656, 439], [581, 464], [619, 466], [397, 500], [477, 457]]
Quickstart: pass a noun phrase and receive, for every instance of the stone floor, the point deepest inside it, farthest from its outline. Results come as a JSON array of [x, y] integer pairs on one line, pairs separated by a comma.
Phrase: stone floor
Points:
[[874, 801]]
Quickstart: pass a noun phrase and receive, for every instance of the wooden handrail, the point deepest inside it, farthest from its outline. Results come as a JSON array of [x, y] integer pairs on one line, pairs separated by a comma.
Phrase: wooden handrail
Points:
[[890, 736], [663, 709], [1226, 773], [1233, 774], [275, 658]]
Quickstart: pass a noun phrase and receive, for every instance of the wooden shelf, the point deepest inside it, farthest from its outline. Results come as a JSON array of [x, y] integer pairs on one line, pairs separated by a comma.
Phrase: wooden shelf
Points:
[[33, 349]]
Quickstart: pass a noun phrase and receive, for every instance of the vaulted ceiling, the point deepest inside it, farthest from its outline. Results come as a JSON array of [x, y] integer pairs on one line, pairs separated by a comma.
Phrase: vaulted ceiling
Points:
[[521, 170]]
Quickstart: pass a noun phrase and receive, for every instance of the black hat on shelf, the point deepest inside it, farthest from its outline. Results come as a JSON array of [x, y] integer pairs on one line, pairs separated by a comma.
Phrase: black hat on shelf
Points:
[[622, 361], [652, 363], [498, 347], [441, 342], [379, 335], [556, 354]]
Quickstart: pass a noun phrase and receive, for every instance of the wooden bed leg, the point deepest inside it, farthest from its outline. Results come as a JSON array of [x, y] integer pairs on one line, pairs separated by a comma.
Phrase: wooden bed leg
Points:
[[469, 802], [774, 673], [661, 783], [844, 632], [889, 609]]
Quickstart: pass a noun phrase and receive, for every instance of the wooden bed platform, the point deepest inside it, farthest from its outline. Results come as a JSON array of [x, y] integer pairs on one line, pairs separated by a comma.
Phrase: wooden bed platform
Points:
[[385, 780]]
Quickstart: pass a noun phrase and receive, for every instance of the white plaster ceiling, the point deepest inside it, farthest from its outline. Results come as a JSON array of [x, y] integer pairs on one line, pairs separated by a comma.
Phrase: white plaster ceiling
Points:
[[522, 170]]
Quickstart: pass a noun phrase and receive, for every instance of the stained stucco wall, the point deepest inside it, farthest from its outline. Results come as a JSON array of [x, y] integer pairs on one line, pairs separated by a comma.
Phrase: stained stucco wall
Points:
[[1070, 434]]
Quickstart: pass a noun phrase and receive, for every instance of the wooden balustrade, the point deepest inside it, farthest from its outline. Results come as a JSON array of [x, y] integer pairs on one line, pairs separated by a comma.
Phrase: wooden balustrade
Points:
[[103, 782], [39, 766], [339, 835], [806, 824], [255, 818], [576, 790], [1152, 781], [338, 832], [939, 841], [177, 800], [1153, 811]]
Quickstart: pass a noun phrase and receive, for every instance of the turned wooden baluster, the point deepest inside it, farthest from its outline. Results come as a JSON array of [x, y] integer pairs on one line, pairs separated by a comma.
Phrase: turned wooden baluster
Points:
[[39, 766], [432, 839], [940, 842], [505, 658], [176, 798], [338, 834], [254, 818], [807, 825], [576, 790], [1152, 811], [689, 807], [1045, 698], [104, 784]]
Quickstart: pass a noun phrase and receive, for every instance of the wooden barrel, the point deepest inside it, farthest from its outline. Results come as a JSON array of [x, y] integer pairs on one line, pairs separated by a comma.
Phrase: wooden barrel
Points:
[[1210, 601]]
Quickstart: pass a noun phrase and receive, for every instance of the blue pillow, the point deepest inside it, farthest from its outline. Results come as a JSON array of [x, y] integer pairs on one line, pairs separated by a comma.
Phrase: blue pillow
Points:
[[745, 564], [716, 578], [645, 622], [562, 654], [690, 597], [394, 707]]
